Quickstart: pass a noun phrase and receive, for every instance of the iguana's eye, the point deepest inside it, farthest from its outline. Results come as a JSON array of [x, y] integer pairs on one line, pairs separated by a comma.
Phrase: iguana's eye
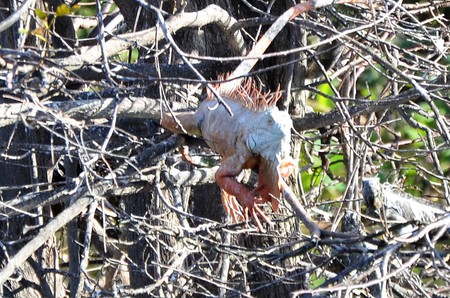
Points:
[[271, 121]]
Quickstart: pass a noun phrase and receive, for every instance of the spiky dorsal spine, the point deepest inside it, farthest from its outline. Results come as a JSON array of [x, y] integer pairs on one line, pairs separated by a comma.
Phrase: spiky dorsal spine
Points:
[[246, 91]]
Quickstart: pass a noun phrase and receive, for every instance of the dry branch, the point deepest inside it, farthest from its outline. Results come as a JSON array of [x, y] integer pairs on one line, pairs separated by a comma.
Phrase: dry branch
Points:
[[127, 183], [335, 117], [15, 16], [85, 196], [44, 234], [212, 14], [147, 108], [202, 247], [86, 110]]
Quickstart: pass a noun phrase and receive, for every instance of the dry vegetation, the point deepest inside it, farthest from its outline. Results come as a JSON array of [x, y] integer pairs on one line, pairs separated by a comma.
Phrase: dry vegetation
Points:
[[96, 201]]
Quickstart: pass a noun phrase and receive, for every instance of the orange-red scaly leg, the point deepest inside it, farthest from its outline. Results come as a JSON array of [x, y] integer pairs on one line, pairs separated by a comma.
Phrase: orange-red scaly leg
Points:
[[225, 177], [232, 207], [285, 170]]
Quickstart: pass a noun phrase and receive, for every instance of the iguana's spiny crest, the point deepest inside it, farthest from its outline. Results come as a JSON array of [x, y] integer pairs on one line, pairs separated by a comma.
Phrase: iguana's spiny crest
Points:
[[246, 92]]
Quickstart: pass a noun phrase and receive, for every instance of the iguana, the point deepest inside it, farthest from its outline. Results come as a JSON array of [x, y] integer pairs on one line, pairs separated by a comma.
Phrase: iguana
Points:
[[390, 202], [393, 205], [256, 136]]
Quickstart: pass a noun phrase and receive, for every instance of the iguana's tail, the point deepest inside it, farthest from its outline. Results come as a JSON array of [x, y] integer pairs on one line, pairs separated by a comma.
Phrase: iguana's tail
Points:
[[182, 123]]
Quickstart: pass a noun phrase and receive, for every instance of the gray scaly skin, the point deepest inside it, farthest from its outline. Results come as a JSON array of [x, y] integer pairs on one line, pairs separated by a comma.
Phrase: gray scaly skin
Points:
[[252, 138], [393, 204]]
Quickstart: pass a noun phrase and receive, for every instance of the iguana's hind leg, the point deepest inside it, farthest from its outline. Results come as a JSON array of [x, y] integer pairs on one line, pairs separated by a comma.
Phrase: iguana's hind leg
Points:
[[225, 177]]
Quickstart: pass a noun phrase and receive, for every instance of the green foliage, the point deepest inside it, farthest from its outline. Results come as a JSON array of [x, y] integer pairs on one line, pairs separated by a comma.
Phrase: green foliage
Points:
[[47, 22], [372, 82], [88, 8], [125, 56], [64, 9], [337, 166], [316, 281], [40, 14], [322, 103]]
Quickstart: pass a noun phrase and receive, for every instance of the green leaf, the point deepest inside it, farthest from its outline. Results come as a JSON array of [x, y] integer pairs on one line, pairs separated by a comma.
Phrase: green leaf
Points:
[[40, 33], [40, 14], [316, 281], [305, 159], [63, 10], [322, 103]]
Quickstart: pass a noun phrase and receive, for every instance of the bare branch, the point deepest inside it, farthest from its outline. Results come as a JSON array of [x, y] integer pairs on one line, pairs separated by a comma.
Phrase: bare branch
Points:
[[44, 234], [15, 16], [211, 14]]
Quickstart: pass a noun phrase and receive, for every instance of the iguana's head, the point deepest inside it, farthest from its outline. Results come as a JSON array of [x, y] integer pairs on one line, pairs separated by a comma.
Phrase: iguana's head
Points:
[[372, 192], [270, 134], [270, 137]]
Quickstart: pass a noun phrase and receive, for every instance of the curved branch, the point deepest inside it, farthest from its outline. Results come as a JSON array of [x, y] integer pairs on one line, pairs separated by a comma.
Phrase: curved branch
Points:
[[212, 14], [15, 16], [44, 234], [148, 108]]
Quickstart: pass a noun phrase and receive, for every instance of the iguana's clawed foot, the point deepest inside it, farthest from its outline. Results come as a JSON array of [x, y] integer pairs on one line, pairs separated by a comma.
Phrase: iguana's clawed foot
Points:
[[287, 167], [232, 207], [244, 207]]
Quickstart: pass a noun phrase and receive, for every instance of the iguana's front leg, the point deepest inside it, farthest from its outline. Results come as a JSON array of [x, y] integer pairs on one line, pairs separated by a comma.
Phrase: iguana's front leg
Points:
[[270, 186], [226, 178]]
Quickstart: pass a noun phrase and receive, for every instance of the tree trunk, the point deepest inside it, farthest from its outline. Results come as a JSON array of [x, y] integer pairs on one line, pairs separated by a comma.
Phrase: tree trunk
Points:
[[207, 42]]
